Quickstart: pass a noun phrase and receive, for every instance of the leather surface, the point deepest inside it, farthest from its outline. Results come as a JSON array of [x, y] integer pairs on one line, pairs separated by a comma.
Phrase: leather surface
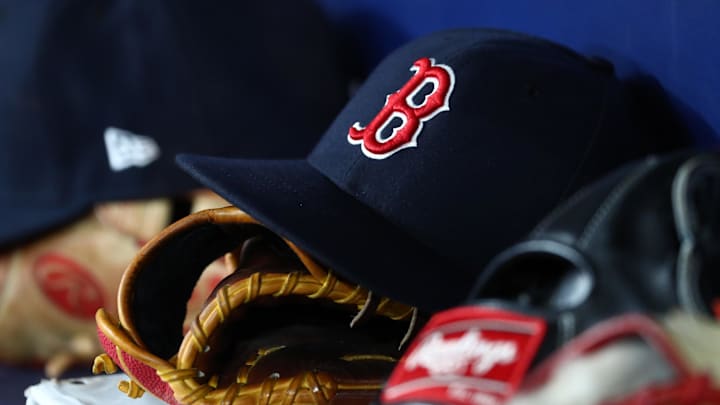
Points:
[[635, 241]]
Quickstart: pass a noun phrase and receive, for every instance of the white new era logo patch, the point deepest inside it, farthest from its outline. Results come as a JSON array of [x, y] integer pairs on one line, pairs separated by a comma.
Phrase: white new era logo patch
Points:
[[126, 149]]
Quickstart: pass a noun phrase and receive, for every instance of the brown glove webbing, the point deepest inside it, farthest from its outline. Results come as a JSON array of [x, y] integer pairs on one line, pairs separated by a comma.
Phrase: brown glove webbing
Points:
[[247, 290], [279, 329], [321, 386]]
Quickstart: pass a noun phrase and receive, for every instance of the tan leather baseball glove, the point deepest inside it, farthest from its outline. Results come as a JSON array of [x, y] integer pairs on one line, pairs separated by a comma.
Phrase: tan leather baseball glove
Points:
[[281, 328]]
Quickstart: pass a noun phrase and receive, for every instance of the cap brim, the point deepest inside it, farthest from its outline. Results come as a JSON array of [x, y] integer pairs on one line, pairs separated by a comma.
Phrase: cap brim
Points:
[[292, 198], [31, 222]]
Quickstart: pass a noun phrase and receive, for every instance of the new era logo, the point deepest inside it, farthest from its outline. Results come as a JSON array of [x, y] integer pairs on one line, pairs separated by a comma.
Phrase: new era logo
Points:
[[126, 149]]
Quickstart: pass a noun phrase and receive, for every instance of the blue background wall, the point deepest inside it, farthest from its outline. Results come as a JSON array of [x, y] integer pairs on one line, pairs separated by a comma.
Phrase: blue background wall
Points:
[[675, 42]]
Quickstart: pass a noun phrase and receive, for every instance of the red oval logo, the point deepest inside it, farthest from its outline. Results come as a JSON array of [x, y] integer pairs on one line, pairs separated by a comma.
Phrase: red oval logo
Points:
[[73, 289]]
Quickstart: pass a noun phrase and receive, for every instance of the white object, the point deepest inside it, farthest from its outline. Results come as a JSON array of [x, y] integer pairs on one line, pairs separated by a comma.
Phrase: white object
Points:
[[102, 389], [126, 149], [618, 369]]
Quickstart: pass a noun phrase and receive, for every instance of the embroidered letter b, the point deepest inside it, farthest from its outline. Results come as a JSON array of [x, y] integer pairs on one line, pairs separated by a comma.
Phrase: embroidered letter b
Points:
[[402, 105]]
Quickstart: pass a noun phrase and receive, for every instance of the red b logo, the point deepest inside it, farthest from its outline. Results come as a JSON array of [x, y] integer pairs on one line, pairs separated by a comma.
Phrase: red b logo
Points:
[[401, 105]]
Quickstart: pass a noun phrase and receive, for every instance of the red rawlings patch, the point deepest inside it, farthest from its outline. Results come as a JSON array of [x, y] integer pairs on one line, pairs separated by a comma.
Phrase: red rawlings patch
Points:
[[467, 355], [716, 308], [73, 289]]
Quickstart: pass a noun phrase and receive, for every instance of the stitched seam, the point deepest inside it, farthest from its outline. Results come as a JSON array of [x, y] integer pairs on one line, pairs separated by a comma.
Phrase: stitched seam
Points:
[[612, 200], [560, 210]]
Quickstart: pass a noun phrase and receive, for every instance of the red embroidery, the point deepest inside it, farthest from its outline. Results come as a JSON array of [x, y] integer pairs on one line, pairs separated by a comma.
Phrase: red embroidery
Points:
[[716, 308], [401, 105], [68, 285], [466, 355]]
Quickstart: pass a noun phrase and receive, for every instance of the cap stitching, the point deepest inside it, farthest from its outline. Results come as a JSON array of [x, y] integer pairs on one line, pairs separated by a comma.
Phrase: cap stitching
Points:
[[586, 154]]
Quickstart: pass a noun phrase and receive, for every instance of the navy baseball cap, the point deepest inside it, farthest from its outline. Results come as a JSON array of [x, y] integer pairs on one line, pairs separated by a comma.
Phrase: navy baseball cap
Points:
[[97, 97], [456, 145]]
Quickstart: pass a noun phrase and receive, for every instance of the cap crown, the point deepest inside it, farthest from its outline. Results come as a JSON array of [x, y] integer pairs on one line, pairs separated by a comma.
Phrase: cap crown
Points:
[[514, 125]]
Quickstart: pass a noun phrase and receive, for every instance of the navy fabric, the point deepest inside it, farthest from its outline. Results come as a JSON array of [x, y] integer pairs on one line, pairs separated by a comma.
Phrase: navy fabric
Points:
[[15, 379], [528, 123], [228, 78], [670, 42]]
